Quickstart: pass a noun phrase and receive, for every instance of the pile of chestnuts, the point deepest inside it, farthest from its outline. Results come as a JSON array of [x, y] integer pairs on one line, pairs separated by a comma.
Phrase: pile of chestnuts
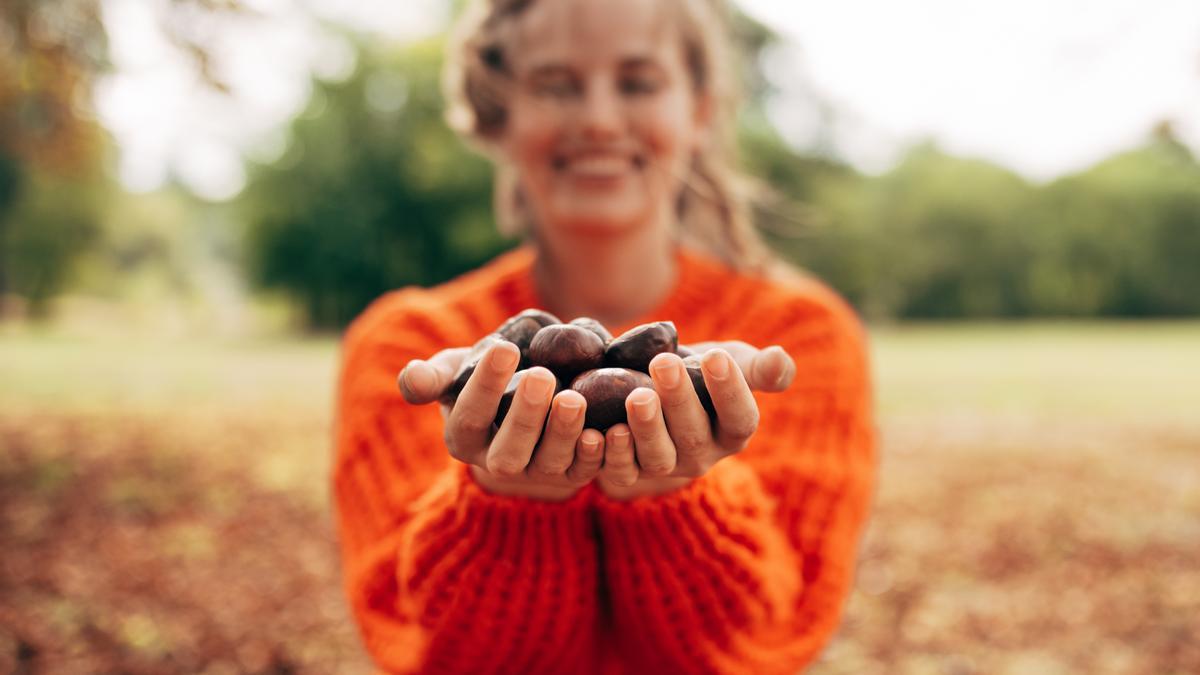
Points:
[[585, 357]]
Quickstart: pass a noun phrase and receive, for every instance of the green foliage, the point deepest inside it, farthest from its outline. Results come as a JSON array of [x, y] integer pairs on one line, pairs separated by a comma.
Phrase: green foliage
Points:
[[374, 193], [49, 222], [1123, 239], [946, 237]]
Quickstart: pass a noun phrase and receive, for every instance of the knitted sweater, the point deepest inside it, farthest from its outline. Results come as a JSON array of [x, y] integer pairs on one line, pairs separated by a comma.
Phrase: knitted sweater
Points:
[[745, 570]]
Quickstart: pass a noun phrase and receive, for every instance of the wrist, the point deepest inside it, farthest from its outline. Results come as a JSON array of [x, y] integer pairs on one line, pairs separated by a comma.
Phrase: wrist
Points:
[[507, 488]]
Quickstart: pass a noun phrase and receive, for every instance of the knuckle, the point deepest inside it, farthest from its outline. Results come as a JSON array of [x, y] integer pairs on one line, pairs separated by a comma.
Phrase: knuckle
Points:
[[474, 424], [658, 468], [526, 423], [740, 430], [728, 395], [504, 466], [551, 467], [689, 442]]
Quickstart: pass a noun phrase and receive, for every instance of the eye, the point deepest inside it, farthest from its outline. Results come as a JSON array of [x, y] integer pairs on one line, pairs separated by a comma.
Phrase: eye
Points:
[[554, 86], [640, 82]]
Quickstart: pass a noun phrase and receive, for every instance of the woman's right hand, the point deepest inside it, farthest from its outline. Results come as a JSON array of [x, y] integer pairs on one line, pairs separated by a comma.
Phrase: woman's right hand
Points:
[[528, 455]]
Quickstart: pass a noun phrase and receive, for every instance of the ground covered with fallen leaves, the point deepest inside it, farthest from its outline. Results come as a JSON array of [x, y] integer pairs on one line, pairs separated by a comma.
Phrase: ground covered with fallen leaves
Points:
[[164, 506]]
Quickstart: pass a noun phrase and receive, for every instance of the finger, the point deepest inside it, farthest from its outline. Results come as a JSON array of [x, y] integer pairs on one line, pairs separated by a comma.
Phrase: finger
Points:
[[737, 412], [771, 369], [556, 451], [589, 454], [686, 420], [469, 428], [652, 444], [424, 381], [514, 443], [619, 467]]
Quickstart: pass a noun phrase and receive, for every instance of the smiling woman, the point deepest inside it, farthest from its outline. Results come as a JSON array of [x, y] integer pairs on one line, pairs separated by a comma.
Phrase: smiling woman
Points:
[[670, 542]]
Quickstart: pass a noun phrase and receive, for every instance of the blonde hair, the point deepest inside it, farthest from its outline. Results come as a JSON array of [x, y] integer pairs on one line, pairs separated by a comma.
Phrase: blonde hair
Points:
[[713, 207]]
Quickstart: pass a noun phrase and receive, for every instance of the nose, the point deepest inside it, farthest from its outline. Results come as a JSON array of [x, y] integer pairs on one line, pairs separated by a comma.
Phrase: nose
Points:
[[601, 117]]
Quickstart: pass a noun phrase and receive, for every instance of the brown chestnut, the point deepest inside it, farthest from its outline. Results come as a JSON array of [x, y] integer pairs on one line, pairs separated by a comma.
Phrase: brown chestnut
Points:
[[637, 346], [521, 328], [566, 350], [594, 326], [605, 390], [692, 365]]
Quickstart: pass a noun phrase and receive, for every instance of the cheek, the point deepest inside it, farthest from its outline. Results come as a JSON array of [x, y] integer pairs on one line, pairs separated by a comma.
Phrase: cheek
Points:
[[532, 136], [669, 132]]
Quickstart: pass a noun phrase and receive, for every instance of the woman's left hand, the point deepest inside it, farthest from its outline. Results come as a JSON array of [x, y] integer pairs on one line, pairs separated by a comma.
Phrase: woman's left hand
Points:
[[670, 440]]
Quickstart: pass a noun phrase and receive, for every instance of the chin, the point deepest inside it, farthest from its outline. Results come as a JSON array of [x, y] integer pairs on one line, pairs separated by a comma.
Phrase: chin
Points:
[[596, 217], [598, 224]]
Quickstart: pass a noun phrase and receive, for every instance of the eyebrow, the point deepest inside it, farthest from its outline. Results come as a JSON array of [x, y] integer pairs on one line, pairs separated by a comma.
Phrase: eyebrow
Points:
[[633, 62]]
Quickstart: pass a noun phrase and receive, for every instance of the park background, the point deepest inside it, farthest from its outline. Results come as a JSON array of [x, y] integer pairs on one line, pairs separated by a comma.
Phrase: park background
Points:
[[172, 298]]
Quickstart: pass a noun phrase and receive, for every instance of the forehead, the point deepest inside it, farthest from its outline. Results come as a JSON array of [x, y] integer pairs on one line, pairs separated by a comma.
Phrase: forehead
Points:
[[587, 32]]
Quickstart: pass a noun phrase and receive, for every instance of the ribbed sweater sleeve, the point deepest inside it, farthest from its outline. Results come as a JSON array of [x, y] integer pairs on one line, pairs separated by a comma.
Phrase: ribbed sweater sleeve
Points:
[[746, 569], [443, 577]]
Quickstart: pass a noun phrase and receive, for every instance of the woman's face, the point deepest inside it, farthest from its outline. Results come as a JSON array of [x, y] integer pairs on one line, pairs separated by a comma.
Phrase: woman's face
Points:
[[603, 120]]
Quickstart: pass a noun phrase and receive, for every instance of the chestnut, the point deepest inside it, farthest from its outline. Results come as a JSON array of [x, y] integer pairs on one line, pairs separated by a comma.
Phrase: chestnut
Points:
[[637, 346], [692, 365], [594, 326], [566, 350], [521, 328], [605, 390]]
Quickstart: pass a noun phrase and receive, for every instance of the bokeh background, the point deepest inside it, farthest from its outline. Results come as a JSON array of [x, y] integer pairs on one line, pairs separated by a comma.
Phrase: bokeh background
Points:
[[197, 195]]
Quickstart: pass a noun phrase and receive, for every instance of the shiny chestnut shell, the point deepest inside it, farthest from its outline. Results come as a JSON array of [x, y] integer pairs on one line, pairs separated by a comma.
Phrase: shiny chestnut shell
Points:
[[635, 348], [566, 350], [605, 390]]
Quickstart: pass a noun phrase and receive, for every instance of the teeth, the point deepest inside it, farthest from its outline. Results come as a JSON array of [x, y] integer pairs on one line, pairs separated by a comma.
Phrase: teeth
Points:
[[599, 166]]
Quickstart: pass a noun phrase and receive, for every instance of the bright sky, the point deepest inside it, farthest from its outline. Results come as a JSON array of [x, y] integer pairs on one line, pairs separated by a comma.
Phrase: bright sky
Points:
[[1045, 87]]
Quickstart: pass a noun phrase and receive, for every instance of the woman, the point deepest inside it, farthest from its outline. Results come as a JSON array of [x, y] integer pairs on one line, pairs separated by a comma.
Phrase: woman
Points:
[[666, 545]]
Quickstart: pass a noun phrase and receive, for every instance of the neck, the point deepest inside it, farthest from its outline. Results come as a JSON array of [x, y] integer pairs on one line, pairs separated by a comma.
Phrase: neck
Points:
[[611, 279]]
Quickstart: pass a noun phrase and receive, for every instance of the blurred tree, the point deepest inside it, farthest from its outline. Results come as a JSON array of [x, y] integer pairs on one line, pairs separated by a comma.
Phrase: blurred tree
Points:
[[53, 153], [1123, 238], [949, 237], [375, 192]]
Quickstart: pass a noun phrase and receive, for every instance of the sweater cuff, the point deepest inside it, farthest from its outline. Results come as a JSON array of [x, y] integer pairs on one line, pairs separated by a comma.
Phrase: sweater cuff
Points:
[[712, 544]]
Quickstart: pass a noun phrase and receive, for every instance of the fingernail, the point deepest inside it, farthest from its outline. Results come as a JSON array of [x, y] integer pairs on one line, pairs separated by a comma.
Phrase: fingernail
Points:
[[538, 388], [667, 372], [504, 359], [569, 408], [718, 364], [417, 378], [643, 406], [788, 365], [591, 445], [620, 436]]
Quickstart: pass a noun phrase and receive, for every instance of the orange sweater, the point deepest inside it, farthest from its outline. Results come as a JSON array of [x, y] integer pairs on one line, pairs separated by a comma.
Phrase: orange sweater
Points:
[[743, 571]]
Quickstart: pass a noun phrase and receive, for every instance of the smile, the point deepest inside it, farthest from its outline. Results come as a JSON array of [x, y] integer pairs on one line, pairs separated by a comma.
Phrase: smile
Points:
[[596, 166]]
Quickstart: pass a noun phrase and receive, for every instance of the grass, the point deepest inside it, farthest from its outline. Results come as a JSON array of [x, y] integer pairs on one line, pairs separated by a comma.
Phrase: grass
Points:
[[1038, 509]]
